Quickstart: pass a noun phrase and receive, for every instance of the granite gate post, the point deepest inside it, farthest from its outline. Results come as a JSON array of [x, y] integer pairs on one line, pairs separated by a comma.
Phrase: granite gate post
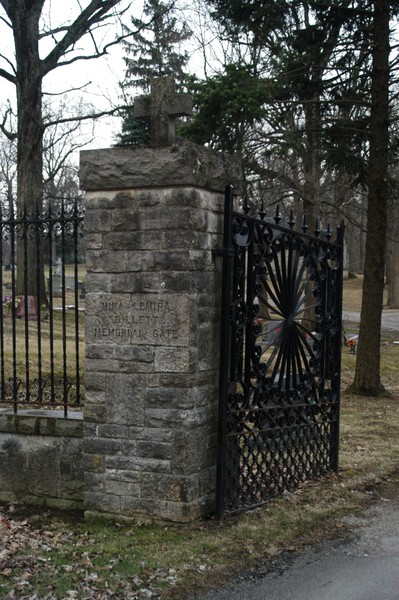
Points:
[[153, 216]]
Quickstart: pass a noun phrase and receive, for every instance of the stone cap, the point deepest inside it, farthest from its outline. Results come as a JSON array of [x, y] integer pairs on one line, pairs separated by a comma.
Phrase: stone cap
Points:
[[183, 164]]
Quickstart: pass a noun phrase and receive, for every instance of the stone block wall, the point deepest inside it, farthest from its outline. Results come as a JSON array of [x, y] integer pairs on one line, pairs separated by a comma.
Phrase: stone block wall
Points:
[[153, 216], [41, 458]]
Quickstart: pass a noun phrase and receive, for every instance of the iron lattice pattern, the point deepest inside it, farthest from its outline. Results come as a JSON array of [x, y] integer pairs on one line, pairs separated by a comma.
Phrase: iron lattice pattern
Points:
[[281, 407]]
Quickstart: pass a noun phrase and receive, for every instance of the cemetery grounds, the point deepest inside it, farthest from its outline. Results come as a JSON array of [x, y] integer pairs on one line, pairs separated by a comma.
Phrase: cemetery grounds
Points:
[[48, 555], [55, 355]]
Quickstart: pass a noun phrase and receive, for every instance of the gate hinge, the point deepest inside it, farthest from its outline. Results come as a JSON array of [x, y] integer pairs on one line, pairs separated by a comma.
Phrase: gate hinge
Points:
[[222, 252]]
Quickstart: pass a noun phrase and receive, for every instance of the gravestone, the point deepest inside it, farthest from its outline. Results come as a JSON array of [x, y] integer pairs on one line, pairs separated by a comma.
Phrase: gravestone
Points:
[[153, 216]]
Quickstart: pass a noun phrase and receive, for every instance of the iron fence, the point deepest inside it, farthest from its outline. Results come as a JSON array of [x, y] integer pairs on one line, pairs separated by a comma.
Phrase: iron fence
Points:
[[42, 308], [279, 393]]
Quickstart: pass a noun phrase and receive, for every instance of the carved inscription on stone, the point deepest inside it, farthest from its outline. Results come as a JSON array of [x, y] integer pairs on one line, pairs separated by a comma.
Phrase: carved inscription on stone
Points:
[[139, 319]]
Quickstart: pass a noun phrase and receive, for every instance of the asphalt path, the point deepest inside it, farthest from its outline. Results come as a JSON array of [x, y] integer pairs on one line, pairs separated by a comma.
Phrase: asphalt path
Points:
[[389, 321], [363, 565]]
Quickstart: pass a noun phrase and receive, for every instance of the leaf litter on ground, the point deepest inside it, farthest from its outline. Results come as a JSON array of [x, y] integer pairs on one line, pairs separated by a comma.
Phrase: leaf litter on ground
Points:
[[27, 548]]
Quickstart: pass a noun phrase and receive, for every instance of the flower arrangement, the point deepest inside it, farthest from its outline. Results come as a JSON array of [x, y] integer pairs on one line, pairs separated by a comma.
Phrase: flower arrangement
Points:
[[7, 303], [351, 341]]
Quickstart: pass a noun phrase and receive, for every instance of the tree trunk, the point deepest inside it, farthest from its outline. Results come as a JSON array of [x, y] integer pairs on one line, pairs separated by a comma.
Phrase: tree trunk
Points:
[[311, 201], [393, 258], [30, 147], [311, 163], [362, 241], [6, 243], [367, 374], [352, 236]]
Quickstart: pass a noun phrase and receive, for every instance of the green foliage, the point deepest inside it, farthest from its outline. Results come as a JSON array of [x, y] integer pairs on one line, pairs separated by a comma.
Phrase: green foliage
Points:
[[227, 106], [156, 47], [317, 54], [155, 51], [258, 16], [135, 132]]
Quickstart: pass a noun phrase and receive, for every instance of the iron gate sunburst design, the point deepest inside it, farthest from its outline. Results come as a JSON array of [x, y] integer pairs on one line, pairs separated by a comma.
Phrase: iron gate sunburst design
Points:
[[280, 358]]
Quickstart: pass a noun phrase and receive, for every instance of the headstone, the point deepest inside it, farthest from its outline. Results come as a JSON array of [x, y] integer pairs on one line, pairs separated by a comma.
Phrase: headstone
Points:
[[162, 108], [27, 307], [56, 285]]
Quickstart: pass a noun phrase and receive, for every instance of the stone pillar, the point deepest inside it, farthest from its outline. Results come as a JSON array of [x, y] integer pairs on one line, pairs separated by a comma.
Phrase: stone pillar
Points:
[[153, 216]]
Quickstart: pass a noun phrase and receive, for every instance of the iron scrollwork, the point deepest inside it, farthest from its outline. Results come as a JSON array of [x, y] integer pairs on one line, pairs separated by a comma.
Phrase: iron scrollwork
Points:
[[282, 400]]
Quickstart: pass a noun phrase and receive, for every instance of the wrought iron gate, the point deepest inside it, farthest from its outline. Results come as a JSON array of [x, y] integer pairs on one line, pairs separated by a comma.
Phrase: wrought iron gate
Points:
[[280, 357]]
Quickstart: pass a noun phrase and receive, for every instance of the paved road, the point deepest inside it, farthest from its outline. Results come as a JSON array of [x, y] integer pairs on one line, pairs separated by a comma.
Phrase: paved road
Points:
[[363, 566], [390, 321]]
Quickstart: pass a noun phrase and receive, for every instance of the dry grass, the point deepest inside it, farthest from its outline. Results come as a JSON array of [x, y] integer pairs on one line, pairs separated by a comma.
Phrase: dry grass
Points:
[[352, 295], [110, 560], [26, 335], [52, 355]]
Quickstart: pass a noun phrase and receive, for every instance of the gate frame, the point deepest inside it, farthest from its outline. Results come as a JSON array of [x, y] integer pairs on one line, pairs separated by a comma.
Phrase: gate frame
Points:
[[228, 254]]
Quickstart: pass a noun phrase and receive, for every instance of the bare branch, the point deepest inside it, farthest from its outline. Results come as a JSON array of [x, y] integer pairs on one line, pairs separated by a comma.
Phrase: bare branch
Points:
[[96, 12], [10, 135], [272, 174], [94, 116], [55, 139], [6, 22], [72, 89], [6, 75], [52, 32], [98, 53], [8, 61]]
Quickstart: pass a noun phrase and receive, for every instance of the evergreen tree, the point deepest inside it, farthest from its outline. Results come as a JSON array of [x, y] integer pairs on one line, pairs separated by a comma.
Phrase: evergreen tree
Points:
[[304, 63], [155, 51], [329, 60]]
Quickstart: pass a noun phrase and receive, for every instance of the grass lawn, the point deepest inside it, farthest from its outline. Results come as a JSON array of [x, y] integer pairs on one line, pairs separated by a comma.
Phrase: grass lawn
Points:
[[48, 555], [47, 358]]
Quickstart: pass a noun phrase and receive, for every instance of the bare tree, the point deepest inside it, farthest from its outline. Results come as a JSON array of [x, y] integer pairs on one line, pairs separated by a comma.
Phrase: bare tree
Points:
[[60, 142], [26, 20], [8, 175], [8, 172]]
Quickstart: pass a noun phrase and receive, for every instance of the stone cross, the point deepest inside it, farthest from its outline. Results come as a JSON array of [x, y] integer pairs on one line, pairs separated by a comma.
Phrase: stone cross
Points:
[[161, 108]]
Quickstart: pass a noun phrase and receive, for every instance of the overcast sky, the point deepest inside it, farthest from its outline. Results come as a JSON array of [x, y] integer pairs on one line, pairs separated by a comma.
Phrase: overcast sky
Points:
[[103, 74], [97, 79]]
